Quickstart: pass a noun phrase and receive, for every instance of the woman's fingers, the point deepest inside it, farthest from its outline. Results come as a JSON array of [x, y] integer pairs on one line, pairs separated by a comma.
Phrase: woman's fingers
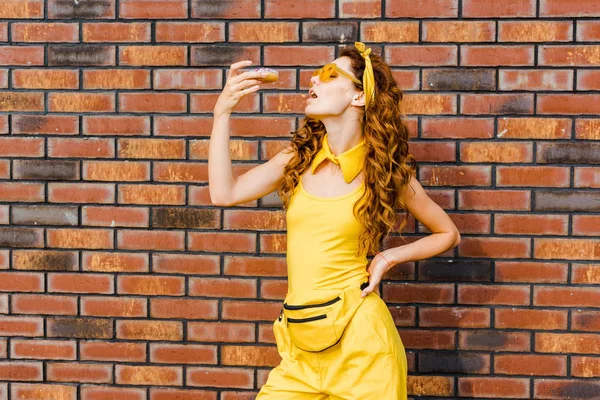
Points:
[[249, 90], [236, 66]]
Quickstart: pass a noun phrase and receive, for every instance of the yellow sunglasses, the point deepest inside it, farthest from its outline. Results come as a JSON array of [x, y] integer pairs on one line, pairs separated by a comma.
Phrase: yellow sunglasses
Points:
[[330, 71]]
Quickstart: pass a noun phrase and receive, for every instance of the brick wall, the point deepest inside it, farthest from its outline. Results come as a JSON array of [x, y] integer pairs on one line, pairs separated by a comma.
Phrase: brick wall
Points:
[[121, 281]]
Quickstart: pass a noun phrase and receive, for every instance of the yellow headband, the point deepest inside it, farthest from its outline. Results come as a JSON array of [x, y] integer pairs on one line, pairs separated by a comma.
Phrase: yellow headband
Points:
[[368, 76]]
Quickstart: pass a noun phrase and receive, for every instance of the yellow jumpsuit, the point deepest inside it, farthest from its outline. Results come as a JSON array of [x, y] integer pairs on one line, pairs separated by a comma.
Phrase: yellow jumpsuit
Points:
[[369, 361]]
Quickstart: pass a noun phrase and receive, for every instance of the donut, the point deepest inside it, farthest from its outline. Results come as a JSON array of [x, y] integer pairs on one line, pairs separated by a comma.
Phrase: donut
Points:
[[272, 76]]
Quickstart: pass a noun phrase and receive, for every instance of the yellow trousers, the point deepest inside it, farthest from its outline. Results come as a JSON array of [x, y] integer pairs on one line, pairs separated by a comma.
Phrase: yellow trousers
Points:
[[369, 362]]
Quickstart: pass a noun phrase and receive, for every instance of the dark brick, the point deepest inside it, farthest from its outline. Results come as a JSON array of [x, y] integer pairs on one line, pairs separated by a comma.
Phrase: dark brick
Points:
[[21, 237], [81, 55], [517, 105], [459, 79], [401, 272], [571, 200], [44, 215], [211, 8], [44, 260], [456, 270], [327, 32], [489, 340], [48, 170], [216, 55], [82, 9], [575, 390], [85, 328], [454, 363], [192, 218], [568, 153]]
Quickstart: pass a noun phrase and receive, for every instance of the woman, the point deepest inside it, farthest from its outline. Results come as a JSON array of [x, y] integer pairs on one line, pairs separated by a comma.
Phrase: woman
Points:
[[345, 173]]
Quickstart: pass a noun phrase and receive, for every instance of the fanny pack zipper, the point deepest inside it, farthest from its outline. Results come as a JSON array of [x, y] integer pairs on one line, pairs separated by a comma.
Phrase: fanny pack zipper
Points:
[[328, 303], [300, 320]]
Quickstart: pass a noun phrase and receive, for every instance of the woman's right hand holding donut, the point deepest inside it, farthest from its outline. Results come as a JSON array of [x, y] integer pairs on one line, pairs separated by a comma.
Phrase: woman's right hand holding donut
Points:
[[236, 87]]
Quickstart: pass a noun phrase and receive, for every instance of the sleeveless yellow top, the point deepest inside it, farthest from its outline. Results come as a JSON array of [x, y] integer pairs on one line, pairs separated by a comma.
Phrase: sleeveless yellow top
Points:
[[322, 234]]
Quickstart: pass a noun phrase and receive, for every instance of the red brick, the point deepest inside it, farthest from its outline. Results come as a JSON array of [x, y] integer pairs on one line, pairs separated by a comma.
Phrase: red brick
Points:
[[588, 80], [116, 79], [21, 282], [21, 101], [458, 31], [108, 393], [21, 55], [421, 55], [577, 55], [588, 31], [150, 330], [21, 326], [567, 343], [184, 394], [496, 55], [81, 102], [81, 148], [273, 32], [45, 79], [79, 372], [186, 264], [585, 273], [580, 8], [183, 308], [273, 289], [531, 224], [585, 367], [534, 128], [222, 287], [480, 294], [570, 249], [484, 8], [457, 128], [113, 306], [494, 200], [44, 304], [44, 32], [150, 285], [23, 192], [494, 247], [571, 104], [115, 216], [582, 320], [152, 55], [515, 318], [497, 104], [517, 388], [43, 391], [80, 238], [536, 80], [389, 31], [152, 102], [221, 332], [239, 149], [30, 9], [204, 102], [101, 351], [283, 9], [255, 266], [149, 9], [187, 80], [428, 339], [152, 148], [116, 125], [45, 124], [43, 349], [4, 118], [566, 297], [530, 364], [150, 240], [116, 32], [428, 104], [115, 171], [81, 193], [80, 283], [507, 152], [114, 262], [183, 354], [586, 225], [220, 377], [430, 386], [148, 375], [535, 31], [151, 194], [587, 129], [434, 152], [532, 176], [454, 317], [190, 32], [250, 310], [422, 8], [455, 176], [294, 55]]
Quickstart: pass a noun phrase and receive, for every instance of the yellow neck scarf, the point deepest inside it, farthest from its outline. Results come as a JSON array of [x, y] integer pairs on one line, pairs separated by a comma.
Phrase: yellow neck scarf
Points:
[[351, 161], [368, 76]]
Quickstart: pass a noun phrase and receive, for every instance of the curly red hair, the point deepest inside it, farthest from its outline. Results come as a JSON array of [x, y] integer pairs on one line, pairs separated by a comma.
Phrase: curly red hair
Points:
[[388, 165]]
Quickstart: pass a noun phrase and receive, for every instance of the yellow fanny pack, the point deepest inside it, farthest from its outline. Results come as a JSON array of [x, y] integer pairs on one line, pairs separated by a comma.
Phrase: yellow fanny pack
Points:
[[317, 327]]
